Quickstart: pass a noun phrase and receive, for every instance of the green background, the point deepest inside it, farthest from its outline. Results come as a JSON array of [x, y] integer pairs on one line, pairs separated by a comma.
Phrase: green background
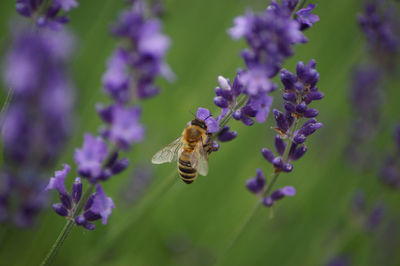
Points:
[[177, 224]]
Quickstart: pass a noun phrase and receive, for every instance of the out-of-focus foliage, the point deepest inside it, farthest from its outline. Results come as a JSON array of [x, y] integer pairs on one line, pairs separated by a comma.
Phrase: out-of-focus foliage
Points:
[[192, 224]]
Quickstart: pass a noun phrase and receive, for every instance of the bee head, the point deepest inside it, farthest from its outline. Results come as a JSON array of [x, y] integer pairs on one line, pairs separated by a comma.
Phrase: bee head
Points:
[[200, 123]]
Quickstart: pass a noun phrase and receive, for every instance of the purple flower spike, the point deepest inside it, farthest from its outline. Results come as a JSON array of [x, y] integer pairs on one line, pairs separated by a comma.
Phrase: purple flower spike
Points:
[[305, 17], [77, 190], [102, 204], [58, 182], [91, 156]]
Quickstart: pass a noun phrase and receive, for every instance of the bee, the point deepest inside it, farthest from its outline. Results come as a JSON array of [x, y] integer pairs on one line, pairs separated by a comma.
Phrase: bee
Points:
[[190, 150]]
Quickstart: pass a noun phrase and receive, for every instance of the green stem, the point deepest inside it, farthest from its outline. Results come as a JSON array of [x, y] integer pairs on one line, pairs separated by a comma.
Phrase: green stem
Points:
[[67, 228], [249, 217]]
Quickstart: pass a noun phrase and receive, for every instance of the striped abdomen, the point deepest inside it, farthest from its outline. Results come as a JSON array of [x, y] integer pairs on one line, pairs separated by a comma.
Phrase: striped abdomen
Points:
[[186, 171]]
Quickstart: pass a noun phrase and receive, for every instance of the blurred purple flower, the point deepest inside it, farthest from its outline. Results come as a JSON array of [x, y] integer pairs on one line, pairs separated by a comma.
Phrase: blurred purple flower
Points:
[[50, 14], [131, 72], [38, 120], [91, 156], [305, 17]]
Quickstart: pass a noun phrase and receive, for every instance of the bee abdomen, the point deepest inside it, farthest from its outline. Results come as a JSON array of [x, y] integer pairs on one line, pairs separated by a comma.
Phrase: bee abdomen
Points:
[[188, 174]]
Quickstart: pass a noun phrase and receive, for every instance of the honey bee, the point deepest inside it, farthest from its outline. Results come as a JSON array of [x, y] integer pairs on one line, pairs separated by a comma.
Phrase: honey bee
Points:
[[191, 150]]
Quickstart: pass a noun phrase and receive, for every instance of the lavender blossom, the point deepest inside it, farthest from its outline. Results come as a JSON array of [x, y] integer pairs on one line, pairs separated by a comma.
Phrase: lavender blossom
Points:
[[380, 26], [305, 17], [299, 92], [130, 75], [37, 122], [271, 36], [50, 14], [131, 70], [98, 206]]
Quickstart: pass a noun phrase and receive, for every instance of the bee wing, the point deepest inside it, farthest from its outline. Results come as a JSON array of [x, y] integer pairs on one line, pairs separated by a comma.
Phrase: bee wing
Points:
[[203, 160], [169, 153]]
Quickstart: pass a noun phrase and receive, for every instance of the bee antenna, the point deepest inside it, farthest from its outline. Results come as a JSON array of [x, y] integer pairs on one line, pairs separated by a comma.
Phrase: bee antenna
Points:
[[192, 113], [208, 117]]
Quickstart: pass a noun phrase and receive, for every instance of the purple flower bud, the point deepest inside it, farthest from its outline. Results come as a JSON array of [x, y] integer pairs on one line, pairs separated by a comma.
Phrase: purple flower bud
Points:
[[278, 162], [257, 183], [105, 113], [226, 135], [247, 120], [119, 166], [237, 115], [287, 167], [89, 202], [291, 97], [112, 159], [80, 220], [281, 120], [288, 80], [66, 200], [301, 107], [91, 216], [280, 145], [315, 95], [221, 102], [277, 195], [89, 226], [311, 113], [309, 128], [288, 191], [298, 153], [305, 18], [60, 209], [290, 107], [268, 201], [299, 139], [268, 155], [77, 190]]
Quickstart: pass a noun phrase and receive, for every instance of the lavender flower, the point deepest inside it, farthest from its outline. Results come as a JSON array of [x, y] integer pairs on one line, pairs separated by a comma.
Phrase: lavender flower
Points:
[[37, 123], [131, 70], [50, 14], [305, 17], [130, 75], [270, 36], [379, 24], [299, 91], [97, 207]]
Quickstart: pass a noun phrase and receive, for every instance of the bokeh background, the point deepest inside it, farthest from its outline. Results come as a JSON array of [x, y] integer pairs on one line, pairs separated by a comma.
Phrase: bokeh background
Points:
[[172, 223]]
